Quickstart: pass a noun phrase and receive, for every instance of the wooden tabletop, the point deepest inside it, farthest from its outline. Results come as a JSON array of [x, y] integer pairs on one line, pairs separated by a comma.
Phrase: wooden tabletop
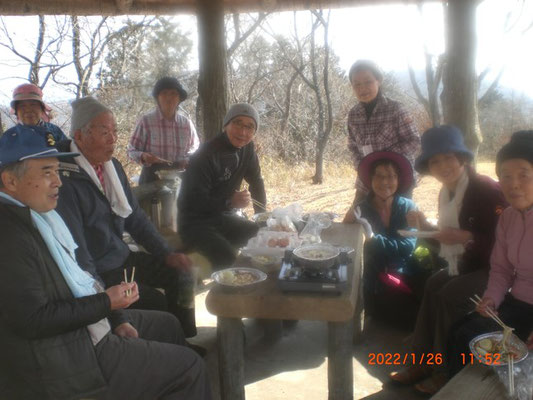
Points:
[[474, 382], [266, 300]]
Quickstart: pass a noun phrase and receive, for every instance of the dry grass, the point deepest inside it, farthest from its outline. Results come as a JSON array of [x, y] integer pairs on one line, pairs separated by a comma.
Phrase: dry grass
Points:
[[286, 184]]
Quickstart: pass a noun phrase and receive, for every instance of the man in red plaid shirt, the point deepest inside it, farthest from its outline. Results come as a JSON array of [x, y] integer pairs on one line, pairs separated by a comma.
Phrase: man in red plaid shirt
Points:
[[376, 123], [163, 139]]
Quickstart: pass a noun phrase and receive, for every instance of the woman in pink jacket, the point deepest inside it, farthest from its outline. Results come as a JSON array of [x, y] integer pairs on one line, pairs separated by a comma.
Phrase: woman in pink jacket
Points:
[[509, 290]]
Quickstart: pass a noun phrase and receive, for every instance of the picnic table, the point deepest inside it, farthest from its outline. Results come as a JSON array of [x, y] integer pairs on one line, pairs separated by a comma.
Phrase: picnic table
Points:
[[474, 382], [267, 301]]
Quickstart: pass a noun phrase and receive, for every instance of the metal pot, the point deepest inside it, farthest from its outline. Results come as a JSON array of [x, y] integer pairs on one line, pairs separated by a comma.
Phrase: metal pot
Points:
[[317, 255]]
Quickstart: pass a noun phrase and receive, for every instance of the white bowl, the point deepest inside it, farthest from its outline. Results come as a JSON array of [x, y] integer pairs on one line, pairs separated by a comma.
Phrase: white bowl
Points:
[[238, 277]]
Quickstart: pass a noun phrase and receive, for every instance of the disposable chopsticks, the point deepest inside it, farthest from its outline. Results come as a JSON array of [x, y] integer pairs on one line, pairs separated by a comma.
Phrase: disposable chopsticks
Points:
[[128, 292]]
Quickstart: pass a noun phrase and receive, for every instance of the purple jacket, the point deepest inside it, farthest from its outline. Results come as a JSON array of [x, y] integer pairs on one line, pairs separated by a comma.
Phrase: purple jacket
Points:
[[512, 258], [483, 202]]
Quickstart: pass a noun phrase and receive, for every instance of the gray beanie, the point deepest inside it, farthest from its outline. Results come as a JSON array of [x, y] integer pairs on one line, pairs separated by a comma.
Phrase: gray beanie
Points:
[[244, 109], [83, 111]]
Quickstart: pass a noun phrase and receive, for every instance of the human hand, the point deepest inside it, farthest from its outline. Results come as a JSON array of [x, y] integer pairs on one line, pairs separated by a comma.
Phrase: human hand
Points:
[[178, 261], [240, 199], [126, 330], [149, 159], [453, 236], [486, 304], [118, 295], [349, 218], [530, 341], [416, 219]]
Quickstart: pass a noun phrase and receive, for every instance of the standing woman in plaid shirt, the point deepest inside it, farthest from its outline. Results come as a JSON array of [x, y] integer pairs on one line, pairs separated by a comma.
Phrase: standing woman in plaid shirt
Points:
[[376, 123], [163, 139]]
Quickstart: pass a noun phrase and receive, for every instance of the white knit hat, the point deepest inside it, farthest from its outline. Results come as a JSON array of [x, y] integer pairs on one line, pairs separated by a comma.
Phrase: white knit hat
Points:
[[83, 111]]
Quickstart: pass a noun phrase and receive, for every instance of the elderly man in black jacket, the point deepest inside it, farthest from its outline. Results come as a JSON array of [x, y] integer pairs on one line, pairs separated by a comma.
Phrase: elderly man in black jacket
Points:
[[210, 191], [98, 206], [62, 336]]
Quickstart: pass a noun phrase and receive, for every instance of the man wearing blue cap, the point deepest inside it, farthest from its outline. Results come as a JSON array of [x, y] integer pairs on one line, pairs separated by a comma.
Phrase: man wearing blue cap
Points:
[[62, 336]]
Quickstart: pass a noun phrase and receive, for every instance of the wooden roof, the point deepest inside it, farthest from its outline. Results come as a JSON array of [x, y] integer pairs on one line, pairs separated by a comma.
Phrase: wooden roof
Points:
[[169, 7]]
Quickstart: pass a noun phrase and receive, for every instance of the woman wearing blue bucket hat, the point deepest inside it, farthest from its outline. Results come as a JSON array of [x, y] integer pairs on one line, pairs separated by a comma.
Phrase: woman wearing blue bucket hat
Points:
[[468, 207]]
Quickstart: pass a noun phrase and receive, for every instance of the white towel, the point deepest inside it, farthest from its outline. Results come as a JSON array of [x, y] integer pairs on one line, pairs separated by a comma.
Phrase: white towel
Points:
[[114, 192], [449, 218], [367, 228]]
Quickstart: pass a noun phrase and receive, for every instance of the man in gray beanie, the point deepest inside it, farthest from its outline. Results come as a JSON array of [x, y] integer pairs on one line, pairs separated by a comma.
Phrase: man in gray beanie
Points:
[[98, 205], [210, 192]]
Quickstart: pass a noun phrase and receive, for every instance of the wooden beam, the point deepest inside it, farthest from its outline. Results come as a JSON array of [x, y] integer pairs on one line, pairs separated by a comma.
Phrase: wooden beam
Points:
[[124, 6], [170, 7]]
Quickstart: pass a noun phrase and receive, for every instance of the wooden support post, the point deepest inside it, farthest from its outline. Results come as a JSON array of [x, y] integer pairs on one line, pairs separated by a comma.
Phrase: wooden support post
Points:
[[460, 78], [212, 79], [230, 339], [340, 368]]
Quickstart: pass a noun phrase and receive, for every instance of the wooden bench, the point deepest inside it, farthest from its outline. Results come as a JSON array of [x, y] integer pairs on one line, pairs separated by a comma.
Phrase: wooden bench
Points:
[[474, 382]]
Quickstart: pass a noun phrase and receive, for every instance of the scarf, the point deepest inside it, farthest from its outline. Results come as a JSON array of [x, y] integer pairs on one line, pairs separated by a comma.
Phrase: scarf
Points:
[[62, 247], [449, 209], [114, 192]]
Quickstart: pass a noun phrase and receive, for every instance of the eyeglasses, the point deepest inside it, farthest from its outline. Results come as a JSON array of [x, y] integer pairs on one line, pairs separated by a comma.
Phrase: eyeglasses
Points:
[[365, 84], [248, 128], [104, 130], [381, 177]]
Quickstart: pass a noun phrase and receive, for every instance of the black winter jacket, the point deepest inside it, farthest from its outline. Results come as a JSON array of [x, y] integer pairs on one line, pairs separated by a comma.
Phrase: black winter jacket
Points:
[[44, 344], [95, 227], [214, 173]]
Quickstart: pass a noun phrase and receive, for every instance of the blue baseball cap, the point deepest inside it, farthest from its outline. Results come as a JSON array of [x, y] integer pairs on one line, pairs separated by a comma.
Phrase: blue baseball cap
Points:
[[28, 142]]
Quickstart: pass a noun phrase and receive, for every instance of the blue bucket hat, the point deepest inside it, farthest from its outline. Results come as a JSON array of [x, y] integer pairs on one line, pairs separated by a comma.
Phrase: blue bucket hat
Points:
[[28, 142], [440, 140]]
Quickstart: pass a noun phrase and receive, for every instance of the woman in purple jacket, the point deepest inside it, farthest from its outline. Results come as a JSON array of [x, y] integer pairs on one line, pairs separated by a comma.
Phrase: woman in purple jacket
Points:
[[469, 205], [509, 291]]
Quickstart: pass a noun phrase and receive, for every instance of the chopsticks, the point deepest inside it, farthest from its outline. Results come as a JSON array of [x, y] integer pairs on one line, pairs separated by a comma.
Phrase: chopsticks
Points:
[[258, 204], [244, 186], [128, 292], [506, 332], [491, 313], [510, 371]]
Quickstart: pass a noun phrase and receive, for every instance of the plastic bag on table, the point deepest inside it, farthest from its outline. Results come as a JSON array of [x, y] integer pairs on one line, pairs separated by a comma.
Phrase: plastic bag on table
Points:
[[523, 378], [284, 219], [316, 222]]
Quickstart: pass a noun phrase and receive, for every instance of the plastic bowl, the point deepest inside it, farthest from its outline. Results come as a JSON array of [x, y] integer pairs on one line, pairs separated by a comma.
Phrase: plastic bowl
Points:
[[493, 358], [238, 278]]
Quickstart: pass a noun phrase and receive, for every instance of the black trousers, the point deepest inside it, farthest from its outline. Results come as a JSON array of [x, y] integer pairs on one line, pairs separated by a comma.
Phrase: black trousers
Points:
[[154, 366], [151, 274], [218, 238], [512, 312]]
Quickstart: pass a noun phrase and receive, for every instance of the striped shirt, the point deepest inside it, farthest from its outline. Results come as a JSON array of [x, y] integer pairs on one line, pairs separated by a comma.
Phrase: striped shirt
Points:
[[389, 128], [174, 140]]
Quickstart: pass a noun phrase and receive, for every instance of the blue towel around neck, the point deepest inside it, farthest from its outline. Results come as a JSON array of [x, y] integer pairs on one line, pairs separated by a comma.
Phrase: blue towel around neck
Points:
[[62, 247]]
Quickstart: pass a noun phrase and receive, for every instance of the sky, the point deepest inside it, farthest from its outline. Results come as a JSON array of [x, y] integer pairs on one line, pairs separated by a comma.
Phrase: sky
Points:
[[391, 35]]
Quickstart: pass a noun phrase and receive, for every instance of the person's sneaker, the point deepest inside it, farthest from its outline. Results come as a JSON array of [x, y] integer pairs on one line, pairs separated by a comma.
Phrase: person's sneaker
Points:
[[201, 351]]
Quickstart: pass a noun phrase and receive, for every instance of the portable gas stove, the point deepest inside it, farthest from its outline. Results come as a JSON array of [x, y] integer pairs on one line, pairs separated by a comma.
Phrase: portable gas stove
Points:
[[295, 276]]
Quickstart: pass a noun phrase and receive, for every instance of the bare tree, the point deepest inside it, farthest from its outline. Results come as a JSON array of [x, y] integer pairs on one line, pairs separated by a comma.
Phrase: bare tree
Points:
[[314, 72], [91, 48], [44, 62]]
